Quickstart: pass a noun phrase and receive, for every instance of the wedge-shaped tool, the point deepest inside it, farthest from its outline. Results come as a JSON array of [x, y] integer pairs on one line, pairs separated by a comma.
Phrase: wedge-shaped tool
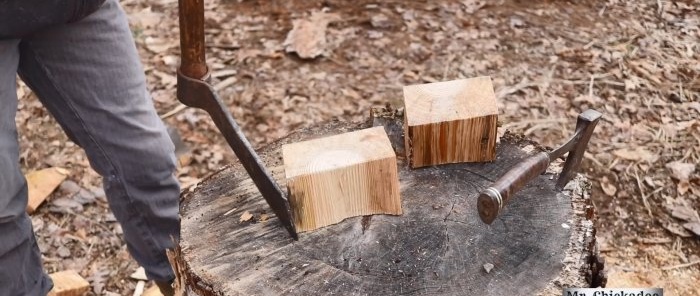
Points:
[[193, 90], [492, 200]]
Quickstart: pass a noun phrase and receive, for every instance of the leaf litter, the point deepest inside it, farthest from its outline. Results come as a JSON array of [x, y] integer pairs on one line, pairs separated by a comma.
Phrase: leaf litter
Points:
[[634, 61]]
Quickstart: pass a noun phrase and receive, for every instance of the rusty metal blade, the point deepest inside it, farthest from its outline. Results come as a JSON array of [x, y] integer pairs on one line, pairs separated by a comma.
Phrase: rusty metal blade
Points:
[[199, 94]]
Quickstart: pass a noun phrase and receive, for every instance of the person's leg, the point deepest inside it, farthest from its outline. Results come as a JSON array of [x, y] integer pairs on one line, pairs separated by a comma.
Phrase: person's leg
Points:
[[21, 272], [88, 74]]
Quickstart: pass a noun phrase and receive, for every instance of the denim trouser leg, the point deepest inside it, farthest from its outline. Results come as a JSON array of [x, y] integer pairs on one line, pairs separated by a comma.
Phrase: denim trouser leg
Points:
[[21, 272], [89, 77]]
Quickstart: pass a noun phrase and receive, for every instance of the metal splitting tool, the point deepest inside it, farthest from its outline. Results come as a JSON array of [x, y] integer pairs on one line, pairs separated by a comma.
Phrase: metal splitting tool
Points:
[[492, 200], [193, 90]]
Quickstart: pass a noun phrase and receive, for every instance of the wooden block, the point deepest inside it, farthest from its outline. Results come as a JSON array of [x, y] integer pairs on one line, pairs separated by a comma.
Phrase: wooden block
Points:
[[68, 283], [450, 122], [337, 177]]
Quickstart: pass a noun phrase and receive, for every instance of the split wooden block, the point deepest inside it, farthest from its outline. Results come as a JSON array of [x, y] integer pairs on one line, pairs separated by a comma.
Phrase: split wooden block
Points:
[[337, 177], [450, 122], [68, 283]]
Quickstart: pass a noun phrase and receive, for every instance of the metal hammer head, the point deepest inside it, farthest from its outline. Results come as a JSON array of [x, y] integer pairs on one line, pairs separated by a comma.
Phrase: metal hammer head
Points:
[[576, 146]]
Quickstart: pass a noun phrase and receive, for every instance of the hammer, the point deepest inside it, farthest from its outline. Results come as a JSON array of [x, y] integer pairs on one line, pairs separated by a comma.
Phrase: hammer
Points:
[[492, 200]]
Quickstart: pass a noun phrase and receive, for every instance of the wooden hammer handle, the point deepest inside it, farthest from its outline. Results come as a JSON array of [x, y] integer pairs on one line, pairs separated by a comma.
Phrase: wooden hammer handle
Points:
[[495, 197], [192, 48]]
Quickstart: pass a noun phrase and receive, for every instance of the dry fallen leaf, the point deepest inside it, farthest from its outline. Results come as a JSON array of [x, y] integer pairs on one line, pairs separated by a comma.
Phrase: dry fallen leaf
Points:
[[264, 217], [694, 105], [607, 187], [159, 45], [683, 212], [687, 213], [693, 226], [471, 6], [246, 216], [681, 172], [636, 154], [308, 36], [488, 267], [145, 18], [677, 230], [41, 183]]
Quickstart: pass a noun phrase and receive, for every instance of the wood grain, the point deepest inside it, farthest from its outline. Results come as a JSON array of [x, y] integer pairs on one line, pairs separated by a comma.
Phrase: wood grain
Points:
[[450, 122], [341, 176], [437, 247]]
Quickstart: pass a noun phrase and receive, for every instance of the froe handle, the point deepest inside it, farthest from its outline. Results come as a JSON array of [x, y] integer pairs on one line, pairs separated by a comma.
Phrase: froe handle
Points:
[[494, 198]]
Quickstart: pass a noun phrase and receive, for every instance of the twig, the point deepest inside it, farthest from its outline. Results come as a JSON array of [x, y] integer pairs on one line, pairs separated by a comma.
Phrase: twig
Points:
[[533, 121], [174, 111], [447, 66], [516, 88], [641, 190], [225, 83], [681, 265], [590, 157], [587, 82]]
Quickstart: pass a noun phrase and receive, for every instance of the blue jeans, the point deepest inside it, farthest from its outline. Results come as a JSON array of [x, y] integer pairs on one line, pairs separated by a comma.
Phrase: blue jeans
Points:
[[88, 75]]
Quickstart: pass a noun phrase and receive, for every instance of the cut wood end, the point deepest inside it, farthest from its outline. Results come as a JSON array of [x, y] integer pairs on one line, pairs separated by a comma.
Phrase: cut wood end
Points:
[[68, 283], [449, 100], [330, 153], [450, 122], [337, 177]]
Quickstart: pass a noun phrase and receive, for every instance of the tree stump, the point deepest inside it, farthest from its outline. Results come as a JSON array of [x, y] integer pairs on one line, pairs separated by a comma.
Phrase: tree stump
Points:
[[543, 241]]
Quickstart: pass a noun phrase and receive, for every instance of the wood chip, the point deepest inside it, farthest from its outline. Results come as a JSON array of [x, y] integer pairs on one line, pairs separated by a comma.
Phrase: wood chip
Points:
[[68, 283], [246, 216], [139, 274], [138, 291], [41, 183], [152, 291]]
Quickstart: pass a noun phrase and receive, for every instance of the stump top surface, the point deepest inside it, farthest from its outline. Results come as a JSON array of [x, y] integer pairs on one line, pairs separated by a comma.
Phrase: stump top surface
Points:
[[438, 246]]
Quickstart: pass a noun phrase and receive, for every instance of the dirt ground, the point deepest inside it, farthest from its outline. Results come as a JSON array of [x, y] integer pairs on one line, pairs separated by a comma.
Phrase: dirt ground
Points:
[[638, 62]]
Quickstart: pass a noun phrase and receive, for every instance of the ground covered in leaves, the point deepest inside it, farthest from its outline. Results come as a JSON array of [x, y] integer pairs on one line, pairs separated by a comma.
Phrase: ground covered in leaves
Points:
[[638, 62]]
